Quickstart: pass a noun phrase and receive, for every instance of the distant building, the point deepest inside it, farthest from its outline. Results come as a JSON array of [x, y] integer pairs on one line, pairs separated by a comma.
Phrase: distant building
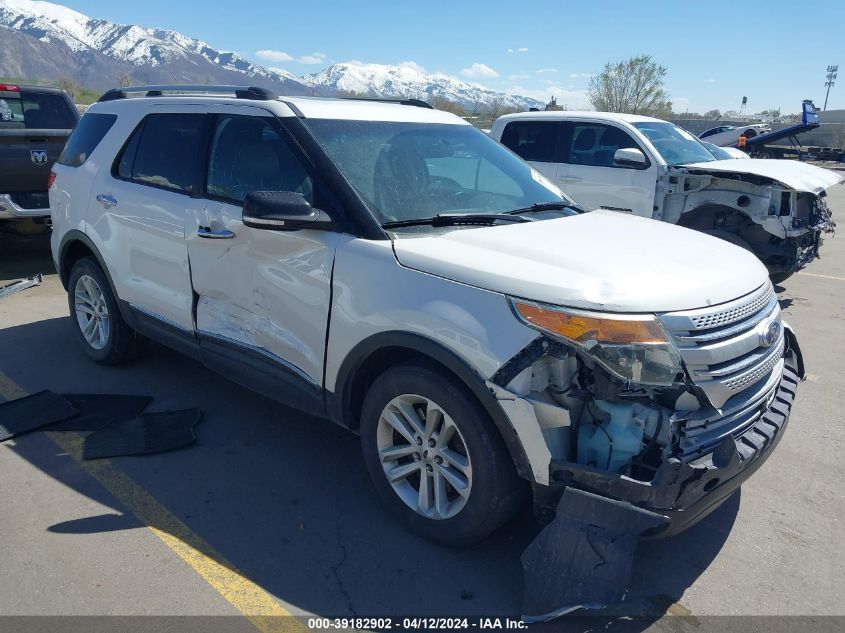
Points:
[[552, 106]]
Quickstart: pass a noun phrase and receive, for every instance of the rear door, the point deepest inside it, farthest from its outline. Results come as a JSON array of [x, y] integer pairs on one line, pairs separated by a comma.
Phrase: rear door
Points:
[[537, 142], [593, 180], [263, 296], [138, 212], [33, 129]]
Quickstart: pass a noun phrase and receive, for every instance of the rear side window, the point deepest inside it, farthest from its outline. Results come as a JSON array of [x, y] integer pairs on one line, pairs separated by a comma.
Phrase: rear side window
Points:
[[36, 111], [533, 140], [163, 152], [85, 138]]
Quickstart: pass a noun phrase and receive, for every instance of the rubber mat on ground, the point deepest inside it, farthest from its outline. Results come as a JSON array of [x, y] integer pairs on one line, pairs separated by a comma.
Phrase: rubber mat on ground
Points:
[[96, 410], [33, 412], [143, 434]]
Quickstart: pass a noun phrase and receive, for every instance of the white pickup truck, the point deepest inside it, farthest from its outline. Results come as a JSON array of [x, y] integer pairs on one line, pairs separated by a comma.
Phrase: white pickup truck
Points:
[[652, 168]]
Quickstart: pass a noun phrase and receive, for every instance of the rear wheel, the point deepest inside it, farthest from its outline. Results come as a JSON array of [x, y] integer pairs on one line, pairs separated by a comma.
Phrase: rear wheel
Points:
[[105, 336], [434, 457]]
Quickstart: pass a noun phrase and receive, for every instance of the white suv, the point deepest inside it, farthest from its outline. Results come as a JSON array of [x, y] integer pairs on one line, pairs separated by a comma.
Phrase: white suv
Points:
[[390, 267]]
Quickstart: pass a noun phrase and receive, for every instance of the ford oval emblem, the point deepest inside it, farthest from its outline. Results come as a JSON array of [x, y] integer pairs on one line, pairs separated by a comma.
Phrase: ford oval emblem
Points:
[[771, 334]]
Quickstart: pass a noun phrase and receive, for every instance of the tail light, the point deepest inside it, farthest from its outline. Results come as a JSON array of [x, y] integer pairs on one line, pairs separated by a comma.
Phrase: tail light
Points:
[[9, 88], [51, 179]]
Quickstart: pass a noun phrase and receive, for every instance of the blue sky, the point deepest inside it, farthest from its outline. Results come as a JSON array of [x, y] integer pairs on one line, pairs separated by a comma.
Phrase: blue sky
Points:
[[712, 50]]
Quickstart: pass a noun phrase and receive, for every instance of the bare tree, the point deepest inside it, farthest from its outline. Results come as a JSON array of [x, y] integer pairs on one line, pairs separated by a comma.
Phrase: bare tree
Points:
[[68, 85], [633, 86], [712, 114], [124, 79], [495, 107], [442, 103]]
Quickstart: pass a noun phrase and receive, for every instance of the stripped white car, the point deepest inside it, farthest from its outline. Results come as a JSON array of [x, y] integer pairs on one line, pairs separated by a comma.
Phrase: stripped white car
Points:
[[634, 164]]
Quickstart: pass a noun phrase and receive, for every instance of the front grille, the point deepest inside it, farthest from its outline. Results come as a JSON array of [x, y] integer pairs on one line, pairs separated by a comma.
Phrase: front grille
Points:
[[725, 317], [723, 346]]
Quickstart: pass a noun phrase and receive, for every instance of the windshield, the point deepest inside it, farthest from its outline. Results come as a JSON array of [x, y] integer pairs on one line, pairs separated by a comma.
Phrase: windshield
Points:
[[35, 111], [409, 171], [718, 152], [676, 146]]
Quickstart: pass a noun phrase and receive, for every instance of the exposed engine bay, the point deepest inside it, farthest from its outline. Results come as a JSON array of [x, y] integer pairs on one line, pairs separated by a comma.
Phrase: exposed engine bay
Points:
[[783, 226]]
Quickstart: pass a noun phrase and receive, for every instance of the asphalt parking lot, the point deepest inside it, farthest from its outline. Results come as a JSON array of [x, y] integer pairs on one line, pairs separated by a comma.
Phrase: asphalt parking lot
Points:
[[271, 512]]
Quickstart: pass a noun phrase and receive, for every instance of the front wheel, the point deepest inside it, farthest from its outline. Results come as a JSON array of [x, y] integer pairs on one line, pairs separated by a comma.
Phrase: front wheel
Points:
[[435, 458]]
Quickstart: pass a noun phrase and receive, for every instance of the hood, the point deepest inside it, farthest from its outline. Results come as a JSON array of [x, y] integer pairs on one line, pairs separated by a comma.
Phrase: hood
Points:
[[602, 260], [792, 173]]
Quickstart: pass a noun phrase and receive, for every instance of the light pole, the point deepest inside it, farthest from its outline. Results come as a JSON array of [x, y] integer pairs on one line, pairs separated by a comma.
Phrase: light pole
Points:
[[831, 75]]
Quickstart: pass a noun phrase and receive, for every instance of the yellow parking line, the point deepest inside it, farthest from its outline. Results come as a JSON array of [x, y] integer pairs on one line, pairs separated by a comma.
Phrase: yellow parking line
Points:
[[255, 603], [822, 276]]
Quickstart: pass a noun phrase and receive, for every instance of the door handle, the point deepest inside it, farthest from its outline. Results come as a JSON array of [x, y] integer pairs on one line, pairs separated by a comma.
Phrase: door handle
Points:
[[107, 201], [570, 179], [208, 234]]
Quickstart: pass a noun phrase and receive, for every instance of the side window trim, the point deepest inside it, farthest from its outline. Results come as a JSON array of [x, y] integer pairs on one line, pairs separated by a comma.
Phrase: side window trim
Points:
[[139, 130]]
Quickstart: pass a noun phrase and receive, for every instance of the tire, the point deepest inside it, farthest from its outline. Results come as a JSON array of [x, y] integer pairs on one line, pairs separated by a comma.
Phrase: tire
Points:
[[473, 459], [109, 341], [778, 278], [733, 238]]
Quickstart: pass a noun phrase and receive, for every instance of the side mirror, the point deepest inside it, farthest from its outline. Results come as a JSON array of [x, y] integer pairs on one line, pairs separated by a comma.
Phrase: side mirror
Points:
[[630, 157], [283, 211]]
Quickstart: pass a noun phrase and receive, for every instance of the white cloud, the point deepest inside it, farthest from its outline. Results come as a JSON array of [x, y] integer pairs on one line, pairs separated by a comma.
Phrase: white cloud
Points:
[[580, 75], [413, 66], [518, 50], [274, 56], [510, 50], [313, 58], [543, 71], [518, 77], [479, 70], [710, 81]]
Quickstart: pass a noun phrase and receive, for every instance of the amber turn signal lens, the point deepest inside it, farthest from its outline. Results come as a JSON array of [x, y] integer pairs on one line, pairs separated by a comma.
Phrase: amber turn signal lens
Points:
[[582, 327]]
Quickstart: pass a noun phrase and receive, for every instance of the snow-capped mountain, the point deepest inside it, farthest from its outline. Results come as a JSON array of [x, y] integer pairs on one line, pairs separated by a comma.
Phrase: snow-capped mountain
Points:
[[139, 53], [409, 81], [46, 41]]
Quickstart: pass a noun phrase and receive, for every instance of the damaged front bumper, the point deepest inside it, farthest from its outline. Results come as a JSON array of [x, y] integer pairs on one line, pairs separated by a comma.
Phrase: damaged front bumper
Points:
[[684, 492], [583, 558]]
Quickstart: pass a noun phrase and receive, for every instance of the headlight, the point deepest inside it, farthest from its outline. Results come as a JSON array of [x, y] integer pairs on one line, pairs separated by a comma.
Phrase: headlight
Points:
[[634, 347]]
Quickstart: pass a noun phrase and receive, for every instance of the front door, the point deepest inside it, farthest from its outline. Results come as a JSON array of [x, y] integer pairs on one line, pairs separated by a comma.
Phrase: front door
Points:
[[263, 296], [593, 180]]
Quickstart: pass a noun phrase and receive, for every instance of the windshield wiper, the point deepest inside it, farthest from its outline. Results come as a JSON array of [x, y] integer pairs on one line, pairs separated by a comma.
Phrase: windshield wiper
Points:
[[454, 219], [541, 206]]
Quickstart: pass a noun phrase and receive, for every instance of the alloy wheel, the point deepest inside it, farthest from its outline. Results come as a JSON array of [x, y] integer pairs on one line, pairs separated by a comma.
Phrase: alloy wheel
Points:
[[92, 312], [424, 456]]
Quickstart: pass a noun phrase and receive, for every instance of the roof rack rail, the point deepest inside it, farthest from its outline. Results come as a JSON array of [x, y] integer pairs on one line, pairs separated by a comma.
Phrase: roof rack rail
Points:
[[240, 92], [419, 103]]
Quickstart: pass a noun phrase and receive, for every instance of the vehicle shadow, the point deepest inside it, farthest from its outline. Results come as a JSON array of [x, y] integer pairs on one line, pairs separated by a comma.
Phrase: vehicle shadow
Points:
[[285, 498]]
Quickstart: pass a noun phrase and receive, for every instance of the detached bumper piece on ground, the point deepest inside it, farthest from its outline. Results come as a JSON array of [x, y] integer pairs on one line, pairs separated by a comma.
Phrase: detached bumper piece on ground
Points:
[[17, 286], [119, 428]]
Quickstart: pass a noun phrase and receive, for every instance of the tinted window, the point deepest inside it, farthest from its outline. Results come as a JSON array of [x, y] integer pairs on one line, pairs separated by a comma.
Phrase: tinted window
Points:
[[166, 152], [595, 144], [85, 138], [248, 154], [37, 111], [533, 140]]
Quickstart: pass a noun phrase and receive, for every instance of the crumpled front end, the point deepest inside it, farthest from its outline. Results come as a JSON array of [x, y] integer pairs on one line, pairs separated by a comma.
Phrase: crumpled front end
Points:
[[614, 462], [783, 225]]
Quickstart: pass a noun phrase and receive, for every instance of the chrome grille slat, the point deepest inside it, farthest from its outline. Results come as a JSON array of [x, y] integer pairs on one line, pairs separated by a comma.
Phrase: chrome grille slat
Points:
[[725, 352]]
